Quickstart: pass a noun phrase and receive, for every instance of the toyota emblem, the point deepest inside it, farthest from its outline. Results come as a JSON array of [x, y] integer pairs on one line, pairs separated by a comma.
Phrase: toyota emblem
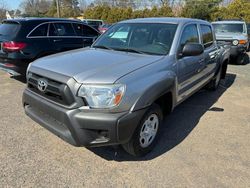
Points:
[[42, 85]]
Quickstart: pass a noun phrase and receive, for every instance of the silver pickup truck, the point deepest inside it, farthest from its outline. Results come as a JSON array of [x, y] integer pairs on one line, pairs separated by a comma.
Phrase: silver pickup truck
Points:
[[118, 90]]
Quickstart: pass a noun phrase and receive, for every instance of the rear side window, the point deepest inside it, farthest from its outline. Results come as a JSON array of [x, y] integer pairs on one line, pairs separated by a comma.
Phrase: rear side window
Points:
[[40, 31], [207, 35], [190, 35], [9, 28], [61, 29], [78, 29], [89, 32]]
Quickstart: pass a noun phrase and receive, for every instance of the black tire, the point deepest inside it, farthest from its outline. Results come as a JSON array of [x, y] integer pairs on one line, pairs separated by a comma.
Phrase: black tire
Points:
[[134, 146], [215, 82], [242, 59]]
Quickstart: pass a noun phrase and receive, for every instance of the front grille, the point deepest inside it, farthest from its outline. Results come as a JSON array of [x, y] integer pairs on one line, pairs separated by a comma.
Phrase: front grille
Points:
[[225, 42], [55, 91]]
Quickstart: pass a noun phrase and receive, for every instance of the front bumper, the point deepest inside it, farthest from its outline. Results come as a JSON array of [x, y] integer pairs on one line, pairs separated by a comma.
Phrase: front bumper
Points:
[[81, 127]]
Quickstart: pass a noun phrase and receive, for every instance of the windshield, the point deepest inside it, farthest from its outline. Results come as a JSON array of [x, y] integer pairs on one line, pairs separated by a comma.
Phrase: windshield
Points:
[[149, 38], [9, 28], [232, 28]]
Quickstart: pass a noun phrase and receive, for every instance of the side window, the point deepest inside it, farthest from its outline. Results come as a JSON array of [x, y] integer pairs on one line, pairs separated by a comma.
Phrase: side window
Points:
[[207, 35], [61, 29], [89, 32], [189, 35], [40, 31], [78, 29]]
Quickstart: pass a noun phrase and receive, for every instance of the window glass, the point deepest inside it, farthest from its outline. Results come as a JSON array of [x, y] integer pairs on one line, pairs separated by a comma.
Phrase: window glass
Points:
[[78, 29], [85, 31], [89, 32], [190, 35], [40, 31], [61, 29], [150, 38], [207, 35], [9, 28], [228, 28]]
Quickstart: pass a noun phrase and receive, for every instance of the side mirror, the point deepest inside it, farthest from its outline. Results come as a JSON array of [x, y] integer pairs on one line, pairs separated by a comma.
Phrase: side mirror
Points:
[[192, 49]]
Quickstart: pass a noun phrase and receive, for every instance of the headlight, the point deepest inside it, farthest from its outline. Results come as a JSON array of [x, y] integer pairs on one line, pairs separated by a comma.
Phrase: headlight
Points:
[[235, 42], [102, 96]]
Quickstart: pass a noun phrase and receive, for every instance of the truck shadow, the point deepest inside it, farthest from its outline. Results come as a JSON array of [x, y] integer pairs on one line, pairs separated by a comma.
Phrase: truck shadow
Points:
[[177, 126]]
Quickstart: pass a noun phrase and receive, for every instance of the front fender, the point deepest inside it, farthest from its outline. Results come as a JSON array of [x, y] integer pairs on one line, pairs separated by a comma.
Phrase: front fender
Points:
[[158, 85]]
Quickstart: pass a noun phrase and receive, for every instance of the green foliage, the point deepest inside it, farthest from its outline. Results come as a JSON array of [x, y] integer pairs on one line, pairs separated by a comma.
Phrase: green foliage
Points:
[[114, 14], [237, 9], [201, 9]]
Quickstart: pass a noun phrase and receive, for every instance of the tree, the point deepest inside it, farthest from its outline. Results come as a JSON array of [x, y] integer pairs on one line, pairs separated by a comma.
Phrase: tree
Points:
[[35, 8], [236, 9], [3, 9], [200, 9]]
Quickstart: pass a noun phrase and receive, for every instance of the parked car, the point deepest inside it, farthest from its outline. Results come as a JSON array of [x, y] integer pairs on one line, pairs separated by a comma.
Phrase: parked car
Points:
[[24, 40], [93, 23], [103, 28], [234, 33], [117, 91]]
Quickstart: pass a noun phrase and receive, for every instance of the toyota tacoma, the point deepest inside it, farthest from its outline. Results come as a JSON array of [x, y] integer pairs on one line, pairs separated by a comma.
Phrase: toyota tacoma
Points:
[[117, 91]]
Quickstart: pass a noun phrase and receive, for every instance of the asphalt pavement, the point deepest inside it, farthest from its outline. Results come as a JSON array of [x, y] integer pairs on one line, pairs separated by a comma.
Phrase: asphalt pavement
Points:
[[205, 143]]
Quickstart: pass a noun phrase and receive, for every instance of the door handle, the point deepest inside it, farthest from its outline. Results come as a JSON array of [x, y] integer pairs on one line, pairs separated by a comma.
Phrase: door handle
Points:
[[57, 40]]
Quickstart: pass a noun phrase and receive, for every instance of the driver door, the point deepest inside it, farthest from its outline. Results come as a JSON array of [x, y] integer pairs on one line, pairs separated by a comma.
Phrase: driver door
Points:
[[190, 67]]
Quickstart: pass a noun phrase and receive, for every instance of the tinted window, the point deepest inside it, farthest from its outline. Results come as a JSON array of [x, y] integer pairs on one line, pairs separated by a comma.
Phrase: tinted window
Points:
[[61, 29], [40, 31], [89, 32], [233, 28], [207, 35], [78, 29], [85, 31], [190, 35], [150, 38], [9, 28]]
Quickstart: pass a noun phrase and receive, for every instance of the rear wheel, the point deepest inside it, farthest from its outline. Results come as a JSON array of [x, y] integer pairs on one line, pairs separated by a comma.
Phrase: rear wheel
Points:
[[215, 82], [146, 133]]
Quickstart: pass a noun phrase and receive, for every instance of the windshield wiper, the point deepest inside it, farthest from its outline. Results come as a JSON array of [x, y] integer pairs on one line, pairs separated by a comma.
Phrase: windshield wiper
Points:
[[129, 50], [103, 47]]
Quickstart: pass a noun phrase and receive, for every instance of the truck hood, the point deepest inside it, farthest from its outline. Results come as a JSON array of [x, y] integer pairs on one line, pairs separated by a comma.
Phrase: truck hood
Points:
[[94, 65], [230, 36]]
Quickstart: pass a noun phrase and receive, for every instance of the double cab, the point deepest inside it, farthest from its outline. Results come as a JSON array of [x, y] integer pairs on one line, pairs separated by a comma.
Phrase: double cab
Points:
[[118, 90]]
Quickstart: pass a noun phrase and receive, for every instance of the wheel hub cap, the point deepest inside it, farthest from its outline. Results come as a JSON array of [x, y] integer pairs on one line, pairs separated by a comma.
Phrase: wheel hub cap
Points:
[[149, 130]]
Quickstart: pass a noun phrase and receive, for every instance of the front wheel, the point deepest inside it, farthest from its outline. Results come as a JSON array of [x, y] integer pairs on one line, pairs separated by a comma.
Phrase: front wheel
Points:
[[146, 133]]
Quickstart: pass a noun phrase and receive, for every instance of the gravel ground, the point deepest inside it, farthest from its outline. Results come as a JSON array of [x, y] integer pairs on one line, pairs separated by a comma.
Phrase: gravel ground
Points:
[[205, 143]]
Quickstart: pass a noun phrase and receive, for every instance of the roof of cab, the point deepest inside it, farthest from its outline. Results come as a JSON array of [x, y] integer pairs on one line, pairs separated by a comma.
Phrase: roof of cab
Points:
[[164, 20]]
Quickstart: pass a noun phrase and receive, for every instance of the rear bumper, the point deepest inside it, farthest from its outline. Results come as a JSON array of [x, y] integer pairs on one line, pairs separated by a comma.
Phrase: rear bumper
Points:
[[79, 127], [18, 66]]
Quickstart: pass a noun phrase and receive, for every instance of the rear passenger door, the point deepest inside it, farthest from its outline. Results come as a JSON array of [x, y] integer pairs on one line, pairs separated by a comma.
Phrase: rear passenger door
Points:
[[210, 50], [63, 37], [38, 39], [189, 68], [87, 34]]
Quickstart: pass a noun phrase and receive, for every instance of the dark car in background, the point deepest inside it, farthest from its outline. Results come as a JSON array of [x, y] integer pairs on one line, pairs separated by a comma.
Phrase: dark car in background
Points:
[[93, 22], [24, 40]]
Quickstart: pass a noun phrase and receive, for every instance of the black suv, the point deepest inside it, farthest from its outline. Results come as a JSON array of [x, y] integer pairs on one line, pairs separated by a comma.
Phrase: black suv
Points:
[[24, 40]]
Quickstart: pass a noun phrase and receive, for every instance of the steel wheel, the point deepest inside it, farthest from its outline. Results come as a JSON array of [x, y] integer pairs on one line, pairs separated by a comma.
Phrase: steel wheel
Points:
[[149, 130]]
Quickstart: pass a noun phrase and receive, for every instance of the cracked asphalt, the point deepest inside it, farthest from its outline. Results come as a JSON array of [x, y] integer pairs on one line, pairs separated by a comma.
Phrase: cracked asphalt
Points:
[[205, 143]]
